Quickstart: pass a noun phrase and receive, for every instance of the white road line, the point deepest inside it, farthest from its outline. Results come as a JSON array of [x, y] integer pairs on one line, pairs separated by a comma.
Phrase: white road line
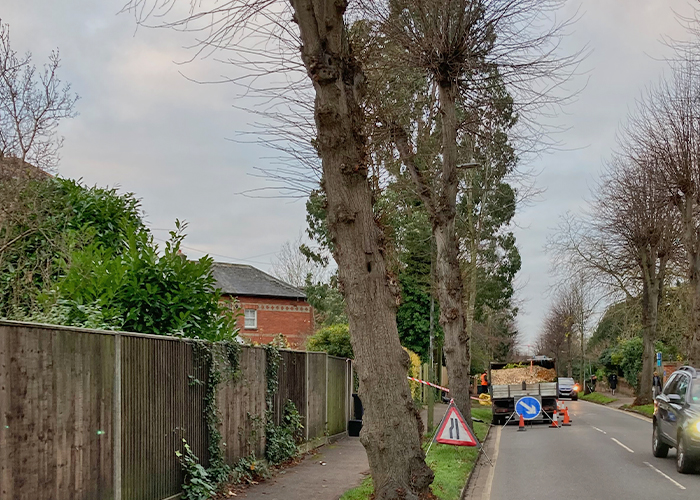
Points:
[[492, 471], [666, 476], [599, 430], [625, 447]]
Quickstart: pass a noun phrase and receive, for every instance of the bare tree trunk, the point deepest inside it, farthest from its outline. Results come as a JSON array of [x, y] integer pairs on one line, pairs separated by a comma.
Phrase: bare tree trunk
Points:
[[650, 305], [694, 333], [652, 291], [449, 273], [391, 432]]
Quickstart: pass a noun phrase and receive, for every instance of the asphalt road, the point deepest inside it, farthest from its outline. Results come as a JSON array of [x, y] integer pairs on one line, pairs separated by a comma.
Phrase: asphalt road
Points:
[[605, 454]]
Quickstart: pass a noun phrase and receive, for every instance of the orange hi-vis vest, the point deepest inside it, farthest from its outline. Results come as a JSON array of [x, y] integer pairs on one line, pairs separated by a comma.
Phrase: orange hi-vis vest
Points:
[[483, 379]]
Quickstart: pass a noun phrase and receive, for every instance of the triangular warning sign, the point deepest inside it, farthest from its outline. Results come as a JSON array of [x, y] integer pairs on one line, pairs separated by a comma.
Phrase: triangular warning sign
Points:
[[454, 430]]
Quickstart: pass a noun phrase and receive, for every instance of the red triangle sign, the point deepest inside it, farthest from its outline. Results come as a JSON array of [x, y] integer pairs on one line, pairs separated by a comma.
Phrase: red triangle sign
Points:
[[454, 430]]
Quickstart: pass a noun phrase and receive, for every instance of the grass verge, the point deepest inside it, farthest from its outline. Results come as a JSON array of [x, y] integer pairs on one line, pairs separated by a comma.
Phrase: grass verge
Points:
[[596, 397], [451, 464], [646, 410]]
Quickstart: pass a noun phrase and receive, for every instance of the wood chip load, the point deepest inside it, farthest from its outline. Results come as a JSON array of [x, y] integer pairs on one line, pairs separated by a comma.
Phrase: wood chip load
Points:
[[537, 374]]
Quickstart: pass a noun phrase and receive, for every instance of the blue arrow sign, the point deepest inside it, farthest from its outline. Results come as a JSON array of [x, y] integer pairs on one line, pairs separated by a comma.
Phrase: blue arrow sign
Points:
[[528, 407]]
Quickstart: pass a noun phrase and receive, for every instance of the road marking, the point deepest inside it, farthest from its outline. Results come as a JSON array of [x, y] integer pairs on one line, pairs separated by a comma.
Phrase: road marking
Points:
[[666, 476], [625, 447], [599, 430], [492, 472]]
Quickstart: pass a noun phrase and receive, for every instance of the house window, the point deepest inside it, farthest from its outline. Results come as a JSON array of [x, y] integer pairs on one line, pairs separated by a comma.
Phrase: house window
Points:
[[251, 318]]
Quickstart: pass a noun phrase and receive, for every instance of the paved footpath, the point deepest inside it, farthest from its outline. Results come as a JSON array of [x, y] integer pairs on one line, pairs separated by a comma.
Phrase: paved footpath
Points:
[[346, 467]]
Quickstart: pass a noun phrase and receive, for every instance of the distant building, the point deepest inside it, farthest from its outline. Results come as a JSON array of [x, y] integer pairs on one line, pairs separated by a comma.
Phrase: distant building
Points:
[[270, 306]]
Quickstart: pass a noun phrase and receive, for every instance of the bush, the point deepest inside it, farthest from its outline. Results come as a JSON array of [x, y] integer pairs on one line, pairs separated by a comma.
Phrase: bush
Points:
[[414, 371], [141, 290], [335, 340], [281, 440]]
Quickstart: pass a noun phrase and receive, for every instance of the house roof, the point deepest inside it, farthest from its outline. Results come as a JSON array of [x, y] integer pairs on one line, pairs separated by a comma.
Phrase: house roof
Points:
[[242, 279]]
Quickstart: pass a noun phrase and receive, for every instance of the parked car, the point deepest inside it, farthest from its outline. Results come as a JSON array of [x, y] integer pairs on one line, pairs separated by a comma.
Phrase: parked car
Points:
[[677, 419], [568, 388]]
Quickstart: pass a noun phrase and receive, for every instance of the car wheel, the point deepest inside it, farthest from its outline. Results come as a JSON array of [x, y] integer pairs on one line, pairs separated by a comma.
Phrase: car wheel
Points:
[[658, 447], [684, 464], [575, 398]]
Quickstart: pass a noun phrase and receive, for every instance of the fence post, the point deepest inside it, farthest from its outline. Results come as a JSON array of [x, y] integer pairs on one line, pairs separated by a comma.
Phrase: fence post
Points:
[[117, 417], [325, 417], [306, 381]]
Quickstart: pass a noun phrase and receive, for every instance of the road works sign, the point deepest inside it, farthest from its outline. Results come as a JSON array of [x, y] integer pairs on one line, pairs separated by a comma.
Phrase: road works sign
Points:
[[529, 407], [454, 430]]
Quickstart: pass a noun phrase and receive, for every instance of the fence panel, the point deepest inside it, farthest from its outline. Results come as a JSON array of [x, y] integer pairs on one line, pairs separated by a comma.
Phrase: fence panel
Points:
[[57, 395], [292, 384], [316, 412], [337, 399], [56, 436], [163, 388], [242, 405]]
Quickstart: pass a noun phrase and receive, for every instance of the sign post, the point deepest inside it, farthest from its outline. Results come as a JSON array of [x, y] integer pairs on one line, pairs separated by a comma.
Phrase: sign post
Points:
[[453, 430]]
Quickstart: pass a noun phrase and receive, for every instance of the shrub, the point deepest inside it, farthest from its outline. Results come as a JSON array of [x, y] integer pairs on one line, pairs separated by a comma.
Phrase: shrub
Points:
[[414, 371], [335, 340], [281, 440]]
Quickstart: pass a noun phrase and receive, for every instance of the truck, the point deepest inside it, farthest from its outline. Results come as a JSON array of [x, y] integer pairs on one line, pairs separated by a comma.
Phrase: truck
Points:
[[536, 377]]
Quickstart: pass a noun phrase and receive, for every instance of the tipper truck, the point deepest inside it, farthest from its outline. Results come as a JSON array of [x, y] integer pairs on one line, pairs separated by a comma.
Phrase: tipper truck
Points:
[[536, 377]]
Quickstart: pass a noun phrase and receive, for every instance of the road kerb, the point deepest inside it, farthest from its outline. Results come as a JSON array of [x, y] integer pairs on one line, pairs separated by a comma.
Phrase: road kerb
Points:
[[630, 413], [477, 465]]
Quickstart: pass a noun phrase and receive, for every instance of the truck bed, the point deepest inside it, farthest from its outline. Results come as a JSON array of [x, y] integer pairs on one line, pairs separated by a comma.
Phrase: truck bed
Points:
[[516, 390]]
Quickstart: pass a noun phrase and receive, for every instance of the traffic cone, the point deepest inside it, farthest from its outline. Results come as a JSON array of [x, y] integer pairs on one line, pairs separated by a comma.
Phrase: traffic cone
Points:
[[521, 424], [567, 422], [555, 420]]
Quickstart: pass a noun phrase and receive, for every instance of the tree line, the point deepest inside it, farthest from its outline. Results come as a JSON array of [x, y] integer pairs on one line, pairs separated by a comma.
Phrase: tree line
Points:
[[639, 244]]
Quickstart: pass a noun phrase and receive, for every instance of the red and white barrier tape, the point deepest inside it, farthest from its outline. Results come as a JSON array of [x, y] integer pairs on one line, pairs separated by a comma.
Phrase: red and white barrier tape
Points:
[[429, 383], [434, 385]]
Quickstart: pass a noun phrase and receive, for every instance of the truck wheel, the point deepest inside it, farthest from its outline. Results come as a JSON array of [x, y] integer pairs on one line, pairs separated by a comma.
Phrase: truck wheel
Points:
[[495, 420], [658, 447]]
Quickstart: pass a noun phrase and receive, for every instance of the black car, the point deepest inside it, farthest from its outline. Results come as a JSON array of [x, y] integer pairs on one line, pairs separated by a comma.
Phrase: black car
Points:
[[677, 419], [568, 388]]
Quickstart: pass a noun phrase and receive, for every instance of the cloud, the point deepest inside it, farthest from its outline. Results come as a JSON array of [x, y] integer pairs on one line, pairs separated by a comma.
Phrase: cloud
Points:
[[145, 127]]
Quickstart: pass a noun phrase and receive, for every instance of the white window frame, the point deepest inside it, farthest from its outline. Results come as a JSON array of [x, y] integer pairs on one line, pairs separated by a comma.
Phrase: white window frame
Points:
[[246, 326]]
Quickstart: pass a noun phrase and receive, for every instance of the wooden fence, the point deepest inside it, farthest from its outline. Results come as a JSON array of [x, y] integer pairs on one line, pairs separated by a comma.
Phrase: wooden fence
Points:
[[91, 415]]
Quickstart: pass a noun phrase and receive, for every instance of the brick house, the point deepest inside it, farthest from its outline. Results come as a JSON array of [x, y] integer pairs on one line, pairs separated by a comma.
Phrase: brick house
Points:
[[270, 306]]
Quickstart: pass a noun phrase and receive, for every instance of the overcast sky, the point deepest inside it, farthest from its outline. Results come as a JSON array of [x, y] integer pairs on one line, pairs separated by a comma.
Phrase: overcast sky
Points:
[[143, 127]]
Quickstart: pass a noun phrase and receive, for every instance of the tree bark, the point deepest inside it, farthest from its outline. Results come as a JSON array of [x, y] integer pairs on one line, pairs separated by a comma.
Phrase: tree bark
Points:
[[652, 291], [649, 315], [391, 432], [449, 274], [694, 333]]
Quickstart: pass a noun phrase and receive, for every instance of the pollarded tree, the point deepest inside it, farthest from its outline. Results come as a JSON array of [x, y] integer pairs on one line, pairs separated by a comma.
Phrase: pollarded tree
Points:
[[435, 75], [627, 245], [666, 129], [391, 430]]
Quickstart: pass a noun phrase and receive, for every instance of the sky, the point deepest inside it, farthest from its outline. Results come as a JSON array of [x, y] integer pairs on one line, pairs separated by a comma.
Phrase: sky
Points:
[[146, 128]]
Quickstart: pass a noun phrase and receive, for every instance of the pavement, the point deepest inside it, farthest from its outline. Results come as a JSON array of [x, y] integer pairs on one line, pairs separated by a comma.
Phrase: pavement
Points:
[[605, 454], [622, 399], [346, 466], [324, 474]]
